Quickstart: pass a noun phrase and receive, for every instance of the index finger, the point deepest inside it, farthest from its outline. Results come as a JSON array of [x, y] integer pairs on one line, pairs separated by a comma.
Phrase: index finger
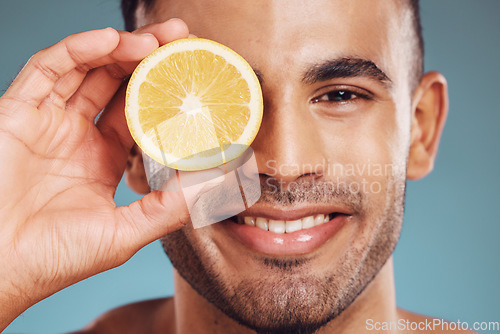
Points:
[[81, 51]]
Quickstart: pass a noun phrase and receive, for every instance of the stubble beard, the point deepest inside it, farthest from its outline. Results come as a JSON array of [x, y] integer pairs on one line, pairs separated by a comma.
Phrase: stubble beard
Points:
[[287, 298]]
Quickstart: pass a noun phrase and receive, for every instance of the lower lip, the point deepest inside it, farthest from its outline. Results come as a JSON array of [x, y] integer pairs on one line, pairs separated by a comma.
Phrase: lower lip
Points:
[[295, 243]]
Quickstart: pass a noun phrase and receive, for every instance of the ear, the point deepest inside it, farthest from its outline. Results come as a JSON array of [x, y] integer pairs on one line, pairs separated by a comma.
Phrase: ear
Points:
[[430, 108], [135, 176]]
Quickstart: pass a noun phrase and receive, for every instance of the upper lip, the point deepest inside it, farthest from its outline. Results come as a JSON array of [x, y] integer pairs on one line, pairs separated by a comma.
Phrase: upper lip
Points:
[[297, 212]]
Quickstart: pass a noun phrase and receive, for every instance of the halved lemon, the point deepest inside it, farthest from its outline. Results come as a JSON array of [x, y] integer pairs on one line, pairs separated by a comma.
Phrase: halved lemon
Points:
[[193, 104]]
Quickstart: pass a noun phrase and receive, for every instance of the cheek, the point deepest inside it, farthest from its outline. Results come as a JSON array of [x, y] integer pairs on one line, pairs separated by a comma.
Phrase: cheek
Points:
[[372, 149], [368, 141]]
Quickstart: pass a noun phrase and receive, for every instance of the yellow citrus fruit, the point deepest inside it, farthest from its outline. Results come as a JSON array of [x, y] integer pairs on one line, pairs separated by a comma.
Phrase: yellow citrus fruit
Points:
[[193, 104]]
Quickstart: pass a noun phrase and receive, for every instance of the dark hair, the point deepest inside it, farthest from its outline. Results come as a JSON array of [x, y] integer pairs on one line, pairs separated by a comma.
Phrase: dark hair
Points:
[[129, 7], [419, 45]]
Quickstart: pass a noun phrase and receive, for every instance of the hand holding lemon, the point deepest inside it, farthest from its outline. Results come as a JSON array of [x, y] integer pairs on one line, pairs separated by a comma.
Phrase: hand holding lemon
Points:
[[60, 168]]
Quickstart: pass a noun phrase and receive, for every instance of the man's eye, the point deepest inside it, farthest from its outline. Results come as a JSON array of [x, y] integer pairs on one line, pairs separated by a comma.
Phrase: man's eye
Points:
[[336, 96], [340, 95]]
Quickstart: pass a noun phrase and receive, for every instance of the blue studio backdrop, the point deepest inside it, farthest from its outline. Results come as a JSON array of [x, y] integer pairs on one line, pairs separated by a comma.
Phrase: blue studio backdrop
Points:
[[446, 261]]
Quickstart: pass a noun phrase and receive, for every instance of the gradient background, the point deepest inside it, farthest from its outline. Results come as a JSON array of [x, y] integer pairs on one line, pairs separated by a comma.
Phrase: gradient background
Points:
[[446, 263]]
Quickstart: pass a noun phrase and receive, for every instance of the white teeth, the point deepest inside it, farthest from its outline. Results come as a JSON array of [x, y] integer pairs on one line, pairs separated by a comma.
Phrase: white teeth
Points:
[[308, 222], [277, 226], [262, 223], [249, 221], [288, 226], [319, 219], [293, 225]]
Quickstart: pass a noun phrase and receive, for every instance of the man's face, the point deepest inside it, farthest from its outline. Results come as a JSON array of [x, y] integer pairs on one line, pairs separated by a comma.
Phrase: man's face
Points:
[[334, 141]]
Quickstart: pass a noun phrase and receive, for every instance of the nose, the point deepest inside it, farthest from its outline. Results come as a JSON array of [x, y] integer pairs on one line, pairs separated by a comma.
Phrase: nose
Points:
[[288, 145]]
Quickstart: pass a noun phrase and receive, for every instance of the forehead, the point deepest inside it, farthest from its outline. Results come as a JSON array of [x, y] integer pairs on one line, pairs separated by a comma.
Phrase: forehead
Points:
[[292, 33]]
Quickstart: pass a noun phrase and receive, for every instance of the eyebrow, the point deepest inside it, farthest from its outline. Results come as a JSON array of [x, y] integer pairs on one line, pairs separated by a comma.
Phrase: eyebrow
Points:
[[345, 68]]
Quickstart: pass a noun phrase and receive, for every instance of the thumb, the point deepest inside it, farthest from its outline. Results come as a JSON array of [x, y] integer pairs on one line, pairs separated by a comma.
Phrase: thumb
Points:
[[155, 215], [163, 211]]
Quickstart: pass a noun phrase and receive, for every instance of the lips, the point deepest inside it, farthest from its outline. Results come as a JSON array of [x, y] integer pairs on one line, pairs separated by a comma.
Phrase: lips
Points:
[[284, 233]]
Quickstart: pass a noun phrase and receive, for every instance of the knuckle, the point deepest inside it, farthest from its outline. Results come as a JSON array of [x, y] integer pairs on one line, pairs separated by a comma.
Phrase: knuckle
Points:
[[79, 64], [116, 71], [56, 100], [37, 62], [87, 100]]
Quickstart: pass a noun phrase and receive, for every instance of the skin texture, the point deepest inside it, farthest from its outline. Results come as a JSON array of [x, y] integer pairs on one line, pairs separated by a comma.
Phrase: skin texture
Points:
[[394, 126], [48, 129]]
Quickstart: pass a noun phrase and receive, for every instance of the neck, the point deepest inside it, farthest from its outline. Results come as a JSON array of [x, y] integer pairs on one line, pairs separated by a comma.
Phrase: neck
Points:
[[193, 314]]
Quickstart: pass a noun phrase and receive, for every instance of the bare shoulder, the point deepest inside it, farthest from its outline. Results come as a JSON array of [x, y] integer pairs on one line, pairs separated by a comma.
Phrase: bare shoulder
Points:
[[137, 317], [418, 323]]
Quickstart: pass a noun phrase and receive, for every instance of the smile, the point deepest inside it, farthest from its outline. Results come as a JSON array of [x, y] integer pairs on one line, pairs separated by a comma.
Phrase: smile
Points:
[[284, 226], [285, 232]]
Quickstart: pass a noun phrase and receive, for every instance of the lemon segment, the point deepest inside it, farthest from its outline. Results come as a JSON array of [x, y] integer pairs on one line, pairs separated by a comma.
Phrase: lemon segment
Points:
[[193, 104]]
